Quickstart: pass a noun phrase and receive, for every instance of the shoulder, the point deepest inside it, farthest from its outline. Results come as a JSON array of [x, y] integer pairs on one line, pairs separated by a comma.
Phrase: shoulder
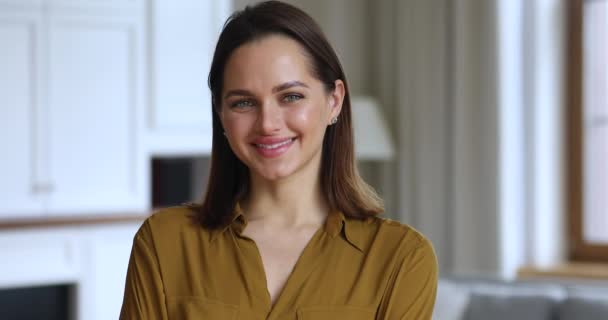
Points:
[[413, 252], [398, 238], [166, 225], [172, 217]]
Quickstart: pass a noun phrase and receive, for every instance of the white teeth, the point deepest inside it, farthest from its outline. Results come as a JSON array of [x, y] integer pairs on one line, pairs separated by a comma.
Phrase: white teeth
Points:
[[275, 145]]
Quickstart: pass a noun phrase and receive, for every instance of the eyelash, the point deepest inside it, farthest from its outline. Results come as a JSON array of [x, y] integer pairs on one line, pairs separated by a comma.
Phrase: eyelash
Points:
[[289, 98], [238, 104]]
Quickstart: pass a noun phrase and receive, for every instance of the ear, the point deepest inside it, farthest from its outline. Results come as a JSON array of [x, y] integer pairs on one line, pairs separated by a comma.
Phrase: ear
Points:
[[336, 98]]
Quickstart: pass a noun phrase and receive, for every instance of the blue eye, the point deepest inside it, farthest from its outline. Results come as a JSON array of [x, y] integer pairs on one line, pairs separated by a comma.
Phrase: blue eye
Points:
[[292, 97], [241, 104]]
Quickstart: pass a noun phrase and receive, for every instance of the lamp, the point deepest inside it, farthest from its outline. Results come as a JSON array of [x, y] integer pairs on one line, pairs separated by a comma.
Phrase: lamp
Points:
[[372, 138]]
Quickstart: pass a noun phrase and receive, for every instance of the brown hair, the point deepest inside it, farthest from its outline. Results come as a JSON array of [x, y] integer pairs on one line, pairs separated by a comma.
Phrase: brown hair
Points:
[[229, 177]]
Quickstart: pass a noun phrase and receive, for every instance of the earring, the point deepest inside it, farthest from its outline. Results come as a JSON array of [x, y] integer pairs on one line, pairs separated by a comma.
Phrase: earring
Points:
[[334, 120]]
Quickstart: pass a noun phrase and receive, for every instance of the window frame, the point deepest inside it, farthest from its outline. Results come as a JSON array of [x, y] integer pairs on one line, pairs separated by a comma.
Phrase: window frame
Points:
[[579, 249]]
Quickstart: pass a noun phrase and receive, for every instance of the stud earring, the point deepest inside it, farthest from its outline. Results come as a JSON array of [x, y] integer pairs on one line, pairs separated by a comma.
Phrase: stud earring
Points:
[[334, 120]]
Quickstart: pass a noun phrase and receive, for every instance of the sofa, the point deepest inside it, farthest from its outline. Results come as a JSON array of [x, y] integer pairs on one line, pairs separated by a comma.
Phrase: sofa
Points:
[[477, 299]]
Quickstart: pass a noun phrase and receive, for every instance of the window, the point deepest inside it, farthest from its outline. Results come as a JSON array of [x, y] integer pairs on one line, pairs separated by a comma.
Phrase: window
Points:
[[587, 122]]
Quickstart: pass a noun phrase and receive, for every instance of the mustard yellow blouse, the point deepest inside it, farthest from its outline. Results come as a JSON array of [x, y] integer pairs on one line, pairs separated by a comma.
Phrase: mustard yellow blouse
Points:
[[350, 269]]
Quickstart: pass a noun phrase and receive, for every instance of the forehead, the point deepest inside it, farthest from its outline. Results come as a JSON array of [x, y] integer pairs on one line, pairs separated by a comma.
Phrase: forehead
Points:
[[269, 60]]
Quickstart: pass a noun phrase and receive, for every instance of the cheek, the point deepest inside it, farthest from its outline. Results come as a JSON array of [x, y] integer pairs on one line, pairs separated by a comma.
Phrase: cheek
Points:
[[234, 125], [308, 118]]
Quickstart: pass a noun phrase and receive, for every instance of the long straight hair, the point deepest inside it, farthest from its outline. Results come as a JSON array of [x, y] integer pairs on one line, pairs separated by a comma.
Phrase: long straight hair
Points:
[[229, 177]]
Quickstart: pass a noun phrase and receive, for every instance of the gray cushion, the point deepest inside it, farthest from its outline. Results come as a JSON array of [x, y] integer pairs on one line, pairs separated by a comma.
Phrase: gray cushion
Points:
[[499, 307], [452, 300], [577, 309]]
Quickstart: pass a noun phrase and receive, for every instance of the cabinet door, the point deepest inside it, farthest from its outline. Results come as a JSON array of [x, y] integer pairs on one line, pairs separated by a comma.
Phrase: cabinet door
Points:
[[12, 5], [21, 183], [95, 107], [106, 252], [93, 6], [182, 37]]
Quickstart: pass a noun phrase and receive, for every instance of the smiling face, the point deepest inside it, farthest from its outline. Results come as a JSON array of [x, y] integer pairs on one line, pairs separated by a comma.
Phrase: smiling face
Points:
[[273, 110]]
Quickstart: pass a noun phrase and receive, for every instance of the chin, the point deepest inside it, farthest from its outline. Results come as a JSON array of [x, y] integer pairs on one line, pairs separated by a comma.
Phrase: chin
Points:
[[275, 175]]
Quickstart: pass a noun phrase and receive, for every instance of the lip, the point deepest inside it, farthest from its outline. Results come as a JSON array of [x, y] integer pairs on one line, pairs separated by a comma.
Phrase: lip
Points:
[[276, 151], [271, 140]]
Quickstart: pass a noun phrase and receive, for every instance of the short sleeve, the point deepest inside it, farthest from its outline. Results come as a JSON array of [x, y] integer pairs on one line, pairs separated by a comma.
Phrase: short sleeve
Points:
[[144, 296], [413, 286]]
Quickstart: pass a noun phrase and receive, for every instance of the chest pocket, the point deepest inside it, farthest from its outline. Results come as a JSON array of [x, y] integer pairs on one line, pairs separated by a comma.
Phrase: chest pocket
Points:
[[336, 312], [186, 308]]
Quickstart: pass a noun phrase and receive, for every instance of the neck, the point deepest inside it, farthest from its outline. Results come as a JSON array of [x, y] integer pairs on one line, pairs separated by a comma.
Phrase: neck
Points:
[[290, 202]]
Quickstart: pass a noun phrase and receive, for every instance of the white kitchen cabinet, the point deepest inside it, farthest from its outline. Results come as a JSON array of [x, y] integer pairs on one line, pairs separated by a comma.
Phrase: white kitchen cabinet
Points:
[[71, 109], [12, 5], [96, 160], [94, 6], [21, 176], [182, 35], [90, 90]]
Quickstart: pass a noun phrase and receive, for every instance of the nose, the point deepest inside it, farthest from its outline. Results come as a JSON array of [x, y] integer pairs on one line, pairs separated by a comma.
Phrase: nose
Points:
[[270, 118]]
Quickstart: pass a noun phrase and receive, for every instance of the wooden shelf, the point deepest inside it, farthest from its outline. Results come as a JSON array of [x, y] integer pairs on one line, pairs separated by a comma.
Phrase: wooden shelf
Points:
[[570, 270], [71, 221]]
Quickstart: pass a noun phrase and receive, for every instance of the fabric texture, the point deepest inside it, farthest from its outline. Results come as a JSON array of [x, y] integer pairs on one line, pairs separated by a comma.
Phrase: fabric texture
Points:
[[588, 304], [351, 269], [510, 307]]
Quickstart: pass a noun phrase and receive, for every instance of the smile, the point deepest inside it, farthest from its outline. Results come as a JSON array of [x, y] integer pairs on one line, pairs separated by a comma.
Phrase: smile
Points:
[[275, 145], [273, 149]]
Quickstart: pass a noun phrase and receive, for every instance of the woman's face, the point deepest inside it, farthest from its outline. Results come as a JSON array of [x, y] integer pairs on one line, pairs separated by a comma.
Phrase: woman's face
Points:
[[274, 112]]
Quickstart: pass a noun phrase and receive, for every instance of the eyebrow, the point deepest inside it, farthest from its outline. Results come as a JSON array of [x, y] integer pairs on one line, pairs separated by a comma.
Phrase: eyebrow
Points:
[[281, 87]]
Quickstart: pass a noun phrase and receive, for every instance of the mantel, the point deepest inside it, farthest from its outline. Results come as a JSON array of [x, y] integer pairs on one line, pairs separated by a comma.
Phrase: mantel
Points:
[[60, 221], [88, 254]]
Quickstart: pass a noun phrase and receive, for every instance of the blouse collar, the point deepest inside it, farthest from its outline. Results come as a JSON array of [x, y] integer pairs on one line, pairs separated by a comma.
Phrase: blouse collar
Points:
[[334, 224]]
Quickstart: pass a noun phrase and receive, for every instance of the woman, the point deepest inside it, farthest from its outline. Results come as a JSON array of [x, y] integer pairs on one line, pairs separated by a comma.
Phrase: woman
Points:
[[287, 229]]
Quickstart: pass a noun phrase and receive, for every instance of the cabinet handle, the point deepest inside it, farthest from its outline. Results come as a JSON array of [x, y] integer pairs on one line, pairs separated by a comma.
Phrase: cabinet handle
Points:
[[49, 187], [36, 188], [43, 188]]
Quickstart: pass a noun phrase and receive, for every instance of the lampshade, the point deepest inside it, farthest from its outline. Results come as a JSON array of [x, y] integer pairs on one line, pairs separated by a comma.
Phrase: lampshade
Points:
[[372, 137]]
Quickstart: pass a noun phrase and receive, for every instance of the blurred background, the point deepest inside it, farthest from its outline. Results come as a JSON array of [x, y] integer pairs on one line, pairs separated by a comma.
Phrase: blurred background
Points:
[[482, 123]]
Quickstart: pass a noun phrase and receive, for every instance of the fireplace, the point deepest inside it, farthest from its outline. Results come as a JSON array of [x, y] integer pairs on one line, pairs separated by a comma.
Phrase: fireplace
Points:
[[176, 180], [44, 302]]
